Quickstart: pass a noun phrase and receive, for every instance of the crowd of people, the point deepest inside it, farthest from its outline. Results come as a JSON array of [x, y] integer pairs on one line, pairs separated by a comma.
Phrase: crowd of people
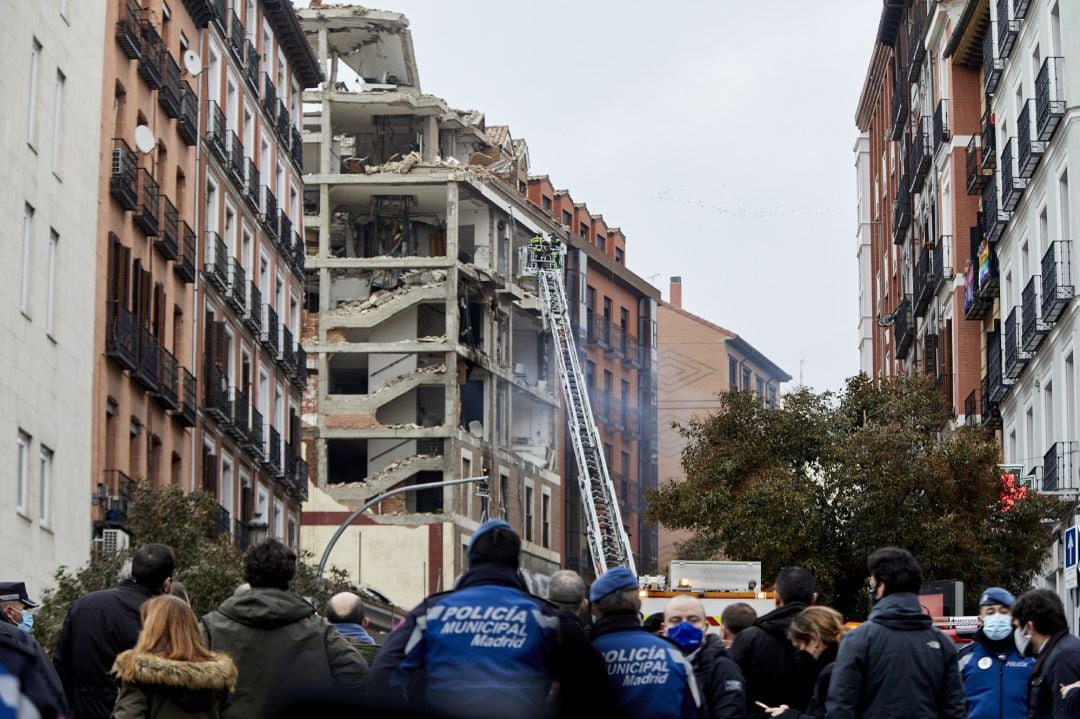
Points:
[[489, 648]]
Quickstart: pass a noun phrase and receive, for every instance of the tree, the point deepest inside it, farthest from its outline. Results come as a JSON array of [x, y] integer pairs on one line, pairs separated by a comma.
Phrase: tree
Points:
[[210, 568], [825, 479]]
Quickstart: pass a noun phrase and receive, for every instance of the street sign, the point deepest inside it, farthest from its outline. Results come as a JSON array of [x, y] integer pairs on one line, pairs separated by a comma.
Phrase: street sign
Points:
[[1068, 539]]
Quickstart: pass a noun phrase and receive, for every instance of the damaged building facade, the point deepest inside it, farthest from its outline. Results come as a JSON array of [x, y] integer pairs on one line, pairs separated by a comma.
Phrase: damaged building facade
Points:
[[431, 359]]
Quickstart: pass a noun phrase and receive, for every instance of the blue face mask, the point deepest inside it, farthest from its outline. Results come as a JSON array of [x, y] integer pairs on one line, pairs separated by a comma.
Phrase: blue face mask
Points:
[[686, 635], [997, 626], [27, 622]]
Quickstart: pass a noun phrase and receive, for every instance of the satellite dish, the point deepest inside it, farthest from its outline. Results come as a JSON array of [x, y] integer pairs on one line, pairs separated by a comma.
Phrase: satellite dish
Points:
[[192, 63], [144, 139]]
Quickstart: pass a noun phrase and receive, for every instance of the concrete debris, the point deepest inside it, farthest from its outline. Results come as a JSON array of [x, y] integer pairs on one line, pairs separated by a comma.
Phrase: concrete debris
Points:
[[406, 281], [431, 338], [434, 369], [393, 466]]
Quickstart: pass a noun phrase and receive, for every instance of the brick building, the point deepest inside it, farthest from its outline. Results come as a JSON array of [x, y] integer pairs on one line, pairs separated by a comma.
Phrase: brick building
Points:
[[698, 361]]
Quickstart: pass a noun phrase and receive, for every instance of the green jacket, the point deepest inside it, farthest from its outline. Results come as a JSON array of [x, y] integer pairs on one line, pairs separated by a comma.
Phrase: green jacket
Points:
[[280, 646], [158, 688]]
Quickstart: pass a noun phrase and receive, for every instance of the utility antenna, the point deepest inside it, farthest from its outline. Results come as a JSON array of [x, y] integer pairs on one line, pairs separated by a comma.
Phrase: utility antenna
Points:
[[801, 363]]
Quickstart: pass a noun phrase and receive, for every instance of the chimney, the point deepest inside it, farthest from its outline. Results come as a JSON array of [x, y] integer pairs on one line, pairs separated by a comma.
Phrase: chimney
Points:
[[675, 293]]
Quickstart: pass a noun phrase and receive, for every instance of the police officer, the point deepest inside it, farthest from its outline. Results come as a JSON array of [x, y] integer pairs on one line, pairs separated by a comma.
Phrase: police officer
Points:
[[995, 675], [650, 674], [488, 648]]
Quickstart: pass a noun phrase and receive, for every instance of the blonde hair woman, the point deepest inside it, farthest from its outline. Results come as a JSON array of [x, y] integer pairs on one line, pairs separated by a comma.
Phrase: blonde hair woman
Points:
[[170, 674], [815, 633]]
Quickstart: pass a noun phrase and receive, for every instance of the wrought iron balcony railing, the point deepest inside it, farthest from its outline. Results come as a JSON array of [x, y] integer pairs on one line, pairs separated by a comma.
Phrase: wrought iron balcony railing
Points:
[[285, 348], [923, 286], [251, 184], [1012, 185], [285, 233], [1058, 473], [903, 328], [236, 161], [992, 65], [1057, 284], [217, 261], [241, 415], [943, 264], [916, 46], [121, 343], [1007, 30], [150, 56], [299, 255], [216, 130], [921, 156], [270, 330], [902, 212], [1034, 330], [899, 112], [269, 98], [272, 455], [168, 242], [237, 296], [187, 124], [255, 443], [123, 180], [184, 266], [284, 124], [1029, 149], [169, 94], [296, 149], [115, 494], [988, 138], [977, 177], [1049, 97], [300, 371], [236, 36], [942, 129], [269, 211], [251, 64], [146, 369], [253, 318], [147, 214], [168, 379], [187, 413], [995, 389], [127, 29], [216, 400], [994, 218]]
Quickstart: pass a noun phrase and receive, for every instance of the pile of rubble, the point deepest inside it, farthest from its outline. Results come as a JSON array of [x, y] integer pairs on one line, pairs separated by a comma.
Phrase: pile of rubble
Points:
[[406, 281]]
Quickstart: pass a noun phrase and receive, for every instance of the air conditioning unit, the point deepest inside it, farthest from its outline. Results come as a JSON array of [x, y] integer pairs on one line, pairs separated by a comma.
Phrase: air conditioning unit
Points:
[[114, 540]]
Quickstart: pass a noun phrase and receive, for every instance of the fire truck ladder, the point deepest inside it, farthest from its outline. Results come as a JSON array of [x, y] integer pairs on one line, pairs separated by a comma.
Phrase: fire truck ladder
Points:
[[608, 542]]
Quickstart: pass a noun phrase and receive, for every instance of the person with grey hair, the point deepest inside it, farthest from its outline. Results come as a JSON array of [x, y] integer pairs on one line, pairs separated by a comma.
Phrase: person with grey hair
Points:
[[650, 675], [566, 590]]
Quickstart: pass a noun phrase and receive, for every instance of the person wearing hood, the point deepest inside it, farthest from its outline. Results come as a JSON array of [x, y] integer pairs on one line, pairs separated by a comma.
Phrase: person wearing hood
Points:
[[650, 675], [170, 674], [774, 675], [488, 648], [281, 647], [815, 633], [22, 658], [1041, 630], [896, 664], [995, 674], [718, 677]]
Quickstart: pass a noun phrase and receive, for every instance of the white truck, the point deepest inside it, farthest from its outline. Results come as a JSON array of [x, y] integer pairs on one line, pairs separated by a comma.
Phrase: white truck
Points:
[[717, 584]]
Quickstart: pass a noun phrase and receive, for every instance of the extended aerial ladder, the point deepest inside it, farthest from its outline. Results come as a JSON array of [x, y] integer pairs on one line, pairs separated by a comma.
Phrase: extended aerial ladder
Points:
[[609, 544]]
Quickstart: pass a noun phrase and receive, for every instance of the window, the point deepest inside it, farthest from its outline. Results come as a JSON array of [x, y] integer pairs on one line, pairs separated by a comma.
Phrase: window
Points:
[[545, 520], [31, 112], [567, 218], [57, 123], [733, 372], [24, 282], [279, 519], [759, 383], [583, 230], [528, 513], [546, 202], [23, 486], [601, 242], [227, 483], [619, 255], [746, 378], [50, 298], [504, 494], [45, 497]]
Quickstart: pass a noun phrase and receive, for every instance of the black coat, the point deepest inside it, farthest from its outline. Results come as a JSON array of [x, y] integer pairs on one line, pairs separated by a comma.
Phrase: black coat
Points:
[[774, 673], [1058, 664], [719, 680], [24, 658], [816, 708], [897, 665], [98, 626]]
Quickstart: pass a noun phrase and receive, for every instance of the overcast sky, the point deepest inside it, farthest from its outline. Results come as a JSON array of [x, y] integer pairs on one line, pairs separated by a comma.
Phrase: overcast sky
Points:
[[717, 134]]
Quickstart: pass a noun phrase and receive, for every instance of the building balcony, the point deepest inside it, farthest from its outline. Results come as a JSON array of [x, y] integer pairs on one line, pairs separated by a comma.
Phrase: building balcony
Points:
[[916, 46], [236, 161], [942, 129], [601, 404], [1016, 358], [237, 295], [1030, 151], [299, 255], [299, 375], [994, 218], [216, 400], [168, 242], [921, 156], [901, 212], [124, 177], [1058, 473], [301, 479], [990, 412], [988, 138], [284, 124], [269, 98], [596, 332], [272, 455], [1007, 30], [222, 523], [218, 14], [995, 389], [289, 468], [150, 57], [169, 96], [1057, 286], [923, 285], [269, 216], [187, 124], [216, 131], [121, 343], [168, 380], [253, 318], [631, 354], [216, 268], [184, 266], [903, 328], [115, 494], [977, 176], [251, 184], [1012, 184], [296, 149], [236, 36], [255, 442], [972, 415], [992, 66], [285, 350], [127, 29], [241, 415], [270, 330], [188, 411], [146, 369], [251, 64], [629, 422], [1034, 330], [285, 233], [1020, 8], [980, 281], [148, 211], [942, 271], [1049, 97], [899, 112], [615, 340]]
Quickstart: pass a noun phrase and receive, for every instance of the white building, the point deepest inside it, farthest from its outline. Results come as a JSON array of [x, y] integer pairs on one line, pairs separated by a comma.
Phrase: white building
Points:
[[49, 131], [1035, 82], [862, 256]]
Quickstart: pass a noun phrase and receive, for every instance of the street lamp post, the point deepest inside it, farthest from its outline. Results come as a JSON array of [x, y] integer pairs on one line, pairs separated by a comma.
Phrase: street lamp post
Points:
[[481, 490]]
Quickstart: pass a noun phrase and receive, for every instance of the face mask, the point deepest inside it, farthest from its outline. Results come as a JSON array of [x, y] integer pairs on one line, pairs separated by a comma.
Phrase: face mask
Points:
[[27, 622], [997, 626], [1023, 641], [686, 635]]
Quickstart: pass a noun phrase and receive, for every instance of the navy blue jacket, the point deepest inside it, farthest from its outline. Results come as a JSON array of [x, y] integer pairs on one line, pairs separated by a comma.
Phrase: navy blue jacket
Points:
[[650, 675], [1058, 663], [719, 680], [896, 666], [24, 659], [488, 649], [995, 678]]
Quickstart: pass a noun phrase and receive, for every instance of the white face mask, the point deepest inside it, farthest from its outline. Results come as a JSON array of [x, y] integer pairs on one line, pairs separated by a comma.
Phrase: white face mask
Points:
[[1022, 641]]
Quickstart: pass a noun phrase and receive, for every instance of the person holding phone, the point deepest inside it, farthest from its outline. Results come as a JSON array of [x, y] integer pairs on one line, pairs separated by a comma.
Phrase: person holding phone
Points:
[[815, 633]]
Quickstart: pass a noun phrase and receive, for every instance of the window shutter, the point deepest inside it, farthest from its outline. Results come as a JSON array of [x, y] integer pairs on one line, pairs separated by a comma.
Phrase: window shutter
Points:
[[294, 428], [222, 341], [159, 311], [144, 297], [114, 273], [211, 352], [123, 283]]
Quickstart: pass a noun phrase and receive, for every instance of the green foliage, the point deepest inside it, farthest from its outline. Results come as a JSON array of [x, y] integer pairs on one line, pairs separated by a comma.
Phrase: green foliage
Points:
[[210, 569], [826, 479]]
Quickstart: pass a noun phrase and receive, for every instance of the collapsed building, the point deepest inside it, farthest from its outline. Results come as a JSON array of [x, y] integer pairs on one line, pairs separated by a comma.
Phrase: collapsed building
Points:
[[431, 358]]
